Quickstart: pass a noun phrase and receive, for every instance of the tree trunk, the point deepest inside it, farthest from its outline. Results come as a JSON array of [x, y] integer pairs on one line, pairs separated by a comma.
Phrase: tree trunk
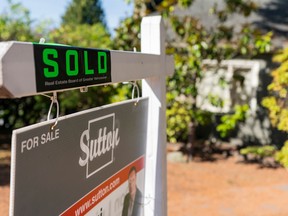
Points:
[[191, 141]]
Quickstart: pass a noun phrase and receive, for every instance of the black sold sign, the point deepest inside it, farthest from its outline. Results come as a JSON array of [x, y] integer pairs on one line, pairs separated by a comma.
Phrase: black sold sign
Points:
[[61, 67]]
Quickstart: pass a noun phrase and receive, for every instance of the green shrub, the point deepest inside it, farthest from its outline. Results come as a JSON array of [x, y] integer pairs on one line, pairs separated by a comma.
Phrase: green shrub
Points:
[[259, 151], [282, 155], [230, 121]]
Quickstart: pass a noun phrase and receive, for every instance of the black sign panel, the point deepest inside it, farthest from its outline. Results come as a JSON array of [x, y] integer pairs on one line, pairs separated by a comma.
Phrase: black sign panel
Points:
[[61, 67]]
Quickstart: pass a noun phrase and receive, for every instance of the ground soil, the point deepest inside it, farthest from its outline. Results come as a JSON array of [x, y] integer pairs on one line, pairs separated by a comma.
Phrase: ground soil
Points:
[[222, 187], [226, 187]]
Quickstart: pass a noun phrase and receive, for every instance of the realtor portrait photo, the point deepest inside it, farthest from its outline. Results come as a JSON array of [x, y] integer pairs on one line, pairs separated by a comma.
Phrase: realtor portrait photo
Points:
[[133, 201]]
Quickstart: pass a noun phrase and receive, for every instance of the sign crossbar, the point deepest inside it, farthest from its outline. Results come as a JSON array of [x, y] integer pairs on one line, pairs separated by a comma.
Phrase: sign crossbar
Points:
[[28, 69]]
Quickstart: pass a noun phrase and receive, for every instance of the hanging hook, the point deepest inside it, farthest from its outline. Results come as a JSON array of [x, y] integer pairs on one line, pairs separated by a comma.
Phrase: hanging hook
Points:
[[135, 86], [54, 100]]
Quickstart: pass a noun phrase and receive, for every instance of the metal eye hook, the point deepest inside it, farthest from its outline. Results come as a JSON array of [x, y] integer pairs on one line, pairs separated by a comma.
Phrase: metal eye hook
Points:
[[84, 89], [42, 41], [54, 100]]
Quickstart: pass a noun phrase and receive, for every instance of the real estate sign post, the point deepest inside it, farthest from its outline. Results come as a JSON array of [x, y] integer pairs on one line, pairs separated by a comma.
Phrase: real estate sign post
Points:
[[100, 142]]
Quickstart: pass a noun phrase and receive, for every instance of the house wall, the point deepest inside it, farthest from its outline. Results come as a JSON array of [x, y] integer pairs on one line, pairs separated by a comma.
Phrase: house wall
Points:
[[256, 129]]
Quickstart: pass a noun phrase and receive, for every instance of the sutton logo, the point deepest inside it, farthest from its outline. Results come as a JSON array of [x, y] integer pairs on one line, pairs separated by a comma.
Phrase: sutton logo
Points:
[[97, 144]]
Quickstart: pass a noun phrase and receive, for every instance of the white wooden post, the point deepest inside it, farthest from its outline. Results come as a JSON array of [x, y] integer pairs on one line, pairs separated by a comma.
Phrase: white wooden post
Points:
[[153, 42]]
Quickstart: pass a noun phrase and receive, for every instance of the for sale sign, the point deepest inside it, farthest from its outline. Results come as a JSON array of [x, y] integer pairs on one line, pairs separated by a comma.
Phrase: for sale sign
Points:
[[87, 165]]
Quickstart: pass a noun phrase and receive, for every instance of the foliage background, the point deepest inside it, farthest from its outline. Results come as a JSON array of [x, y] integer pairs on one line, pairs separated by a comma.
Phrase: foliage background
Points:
[[190, 41], [85, 27]]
